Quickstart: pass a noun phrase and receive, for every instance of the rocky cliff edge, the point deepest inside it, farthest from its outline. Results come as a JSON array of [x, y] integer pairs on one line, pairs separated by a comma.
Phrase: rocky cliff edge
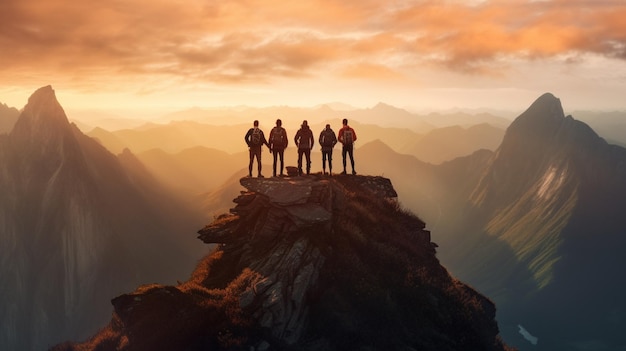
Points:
[[308, 263]]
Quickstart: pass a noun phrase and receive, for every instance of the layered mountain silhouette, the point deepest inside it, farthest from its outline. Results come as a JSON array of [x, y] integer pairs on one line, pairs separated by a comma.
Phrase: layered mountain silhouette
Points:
[[8, 117], [539, 227], [308, 263], [77, 225]]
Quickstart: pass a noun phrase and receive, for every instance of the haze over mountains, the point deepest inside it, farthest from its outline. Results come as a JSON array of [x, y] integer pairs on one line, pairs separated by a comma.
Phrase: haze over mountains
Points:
[[532, 216]]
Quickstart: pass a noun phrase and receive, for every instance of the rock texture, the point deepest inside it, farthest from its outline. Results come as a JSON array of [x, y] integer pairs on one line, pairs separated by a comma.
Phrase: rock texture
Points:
[[308, 263]]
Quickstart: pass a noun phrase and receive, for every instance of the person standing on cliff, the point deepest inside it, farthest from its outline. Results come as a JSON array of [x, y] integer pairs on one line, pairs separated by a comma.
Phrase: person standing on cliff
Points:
[[347, 137], [327, 140], [305, 141], [255, 140], [278, 144]]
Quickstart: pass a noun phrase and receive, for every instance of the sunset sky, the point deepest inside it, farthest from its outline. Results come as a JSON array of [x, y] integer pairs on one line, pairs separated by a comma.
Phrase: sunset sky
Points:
[[166, 54]]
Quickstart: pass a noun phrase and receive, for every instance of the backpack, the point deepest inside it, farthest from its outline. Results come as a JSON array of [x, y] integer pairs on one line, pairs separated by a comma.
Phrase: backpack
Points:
[[255, 139], [327, 138], [306, 136], [278, 137], [348, 136]]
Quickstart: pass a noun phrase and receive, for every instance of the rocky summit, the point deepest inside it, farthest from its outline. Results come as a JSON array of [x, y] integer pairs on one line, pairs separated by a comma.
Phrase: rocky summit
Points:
[[308, 263]]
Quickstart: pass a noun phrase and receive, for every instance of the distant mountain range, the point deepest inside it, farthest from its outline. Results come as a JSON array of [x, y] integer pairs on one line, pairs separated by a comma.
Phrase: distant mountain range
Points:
[[78, 225]]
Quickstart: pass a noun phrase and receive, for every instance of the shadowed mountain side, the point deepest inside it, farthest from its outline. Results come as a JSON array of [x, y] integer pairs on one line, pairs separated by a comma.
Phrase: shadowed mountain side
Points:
[[555, 193], [308, 263], [76, 227], [8, 117]]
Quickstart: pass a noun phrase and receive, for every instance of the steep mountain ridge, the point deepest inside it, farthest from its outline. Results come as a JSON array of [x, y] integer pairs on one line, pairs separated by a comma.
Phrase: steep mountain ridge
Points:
[[308, 263], [552, 167], [544, 230], [74, 226]]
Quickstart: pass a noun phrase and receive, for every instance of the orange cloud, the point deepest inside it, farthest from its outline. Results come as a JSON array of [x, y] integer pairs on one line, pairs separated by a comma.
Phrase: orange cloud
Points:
[[258, 41]]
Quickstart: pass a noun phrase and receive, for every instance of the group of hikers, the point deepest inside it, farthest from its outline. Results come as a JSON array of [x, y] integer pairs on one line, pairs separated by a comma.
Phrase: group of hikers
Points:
[[278, 141]]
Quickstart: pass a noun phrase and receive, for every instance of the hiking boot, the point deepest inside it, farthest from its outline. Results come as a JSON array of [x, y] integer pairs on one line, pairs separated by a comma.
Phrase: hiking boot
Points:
[[261, 176], [353, 172]]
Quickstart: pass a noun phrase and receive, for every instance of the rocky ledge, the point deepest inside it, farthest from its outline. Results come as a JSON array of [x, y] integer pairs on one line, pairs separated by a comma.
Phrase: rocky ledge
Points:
[[308, 263]]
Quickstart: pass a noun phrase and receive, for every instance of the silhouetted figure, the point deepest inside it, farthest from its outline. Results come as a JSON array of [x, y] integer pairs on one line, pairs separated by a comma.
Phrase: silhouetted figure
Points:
[[347, 137], [305, 141], [255, 140], [278, 143], [327, 140]]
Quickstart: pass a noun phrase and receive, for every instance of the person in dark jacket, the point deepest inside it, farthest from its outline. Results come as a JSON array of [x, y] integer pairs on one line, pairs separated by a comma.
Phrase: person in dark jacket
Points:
[[327, 140], [278, 144], [347, 137], [255, 140], [305, 141]]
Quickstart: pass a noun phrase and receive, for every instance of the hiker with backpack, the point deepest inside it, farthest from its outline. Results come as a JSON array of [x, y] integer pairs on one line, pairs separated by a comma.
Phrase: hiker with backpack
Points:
[[255, 140], [327, 140], [347, 137], [278, 144], [305, 141]]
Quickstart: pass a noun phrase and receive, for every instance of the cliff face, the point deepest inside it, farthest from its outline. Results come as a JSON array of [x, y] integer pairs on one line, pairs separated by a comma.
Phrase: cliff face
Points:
[[74, 224], [313, 263], [543, 230]]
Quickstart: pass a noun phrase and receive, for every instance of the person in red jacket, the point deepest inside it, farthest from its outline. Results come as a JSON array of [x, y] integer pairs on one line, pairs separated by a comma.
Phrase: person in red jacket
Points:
[[347, 137]]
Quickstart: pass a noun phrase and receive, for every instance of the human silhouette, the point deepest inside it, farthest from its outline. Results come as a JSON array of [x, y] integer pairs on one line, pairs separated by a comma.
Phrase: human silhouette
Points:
[[347, 137], [255, 140], [305, 141], [278, 142], [327, 140]]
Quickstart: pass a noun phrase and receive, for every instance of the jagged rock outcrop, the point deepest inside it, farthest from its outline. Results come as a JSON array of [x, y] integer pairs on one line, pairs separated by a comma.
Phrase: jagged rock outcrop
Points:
[[291, 267], [308, 263]]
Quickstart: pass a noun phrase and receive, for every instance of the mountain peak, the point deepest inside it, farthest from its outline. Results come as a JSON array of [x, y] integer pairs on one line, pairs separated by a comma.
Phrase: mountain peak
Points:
[[311, 263], [43, 118], [544, 113]]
